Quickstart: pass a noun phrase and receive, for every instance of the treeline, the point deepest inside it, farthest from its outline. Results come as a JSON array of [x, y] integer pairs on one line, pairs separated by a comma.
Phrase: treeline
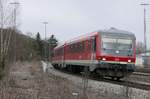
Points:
[[24, 48], [44, 48]]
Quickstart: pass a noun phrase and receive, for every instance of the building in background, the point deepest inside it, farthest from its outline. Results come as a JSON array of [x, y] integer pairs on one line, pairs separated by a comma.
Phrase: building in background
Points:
[[143, 60]]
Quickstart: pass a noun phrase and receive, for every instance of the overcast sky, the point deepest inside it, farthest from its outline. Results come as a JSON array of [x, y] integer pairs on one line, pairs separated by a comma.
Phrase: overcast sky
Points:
[[71, 18]]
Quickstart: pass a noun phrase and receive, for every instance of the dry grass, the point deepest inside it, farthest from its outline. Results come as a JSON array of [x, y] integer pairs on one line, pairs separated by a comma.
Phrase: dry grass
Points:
[[28, 81]]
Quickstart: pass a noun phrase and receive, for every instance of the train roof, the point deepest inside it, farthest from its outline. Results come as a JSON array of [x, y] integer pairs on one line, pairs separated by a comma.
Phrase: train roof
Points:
[[88, 35], [82, 37], [116, 31], [77, 39], [59, 45]]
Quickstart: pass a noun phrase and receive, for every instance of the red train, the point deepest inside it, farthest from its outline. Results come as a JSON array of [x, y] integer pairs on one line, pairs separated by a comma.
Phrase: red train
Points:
[[106, 53]]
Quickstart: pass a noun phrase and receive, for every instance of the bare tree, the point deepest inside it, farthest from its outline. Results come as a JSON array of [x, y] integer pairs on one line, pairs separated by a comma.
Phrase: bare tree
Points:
[[6, 25]]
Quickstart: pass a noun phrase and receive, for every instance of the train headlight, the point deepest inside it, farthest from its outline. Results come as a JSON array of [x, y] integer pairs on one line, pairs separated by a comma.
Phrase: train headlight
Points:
[[103, 59], [129, 61]]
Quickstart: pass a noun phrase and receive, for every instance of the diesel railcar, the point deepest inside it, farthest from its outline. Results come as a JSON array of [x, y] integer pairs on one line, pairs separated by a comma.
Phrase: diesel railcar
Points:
[[108, 53]]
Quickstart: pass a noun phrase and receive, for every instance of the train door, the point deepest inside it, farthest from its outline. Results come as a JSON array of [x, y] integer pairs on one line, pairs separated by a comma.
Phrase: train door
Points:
[[93, 53], [93, 48], [63, 57]]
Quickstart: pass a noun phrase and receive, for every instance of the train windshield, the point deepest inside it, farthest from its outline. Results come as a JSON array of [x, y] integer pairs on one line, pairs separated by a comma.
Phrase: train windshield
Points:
[[120, 44], [117, 46]]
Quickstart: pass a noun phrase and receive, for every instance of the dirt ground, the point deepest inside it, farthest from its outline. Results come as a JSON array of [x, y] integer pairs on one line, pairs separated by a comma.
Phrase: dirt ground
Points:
[[28, 81]]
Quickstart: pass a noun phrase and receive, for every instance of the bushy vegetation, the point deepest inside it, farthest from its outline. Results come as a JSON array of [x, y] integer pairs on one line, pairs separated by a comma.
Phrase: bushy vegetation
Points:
[[44, 48], [26, 48]]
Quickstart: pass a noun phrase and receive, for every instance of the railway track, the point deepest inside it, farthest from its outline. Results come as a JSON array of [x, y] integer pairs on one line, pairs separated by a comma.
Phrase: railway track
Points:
[[143, 70], [141, 74], [129, 84], [123, 82]]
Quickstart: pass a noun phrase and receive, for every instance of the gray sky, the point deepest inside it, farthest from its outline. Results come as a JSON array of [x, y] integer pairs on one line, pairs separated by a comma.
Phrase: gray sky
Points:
[[70, 18]]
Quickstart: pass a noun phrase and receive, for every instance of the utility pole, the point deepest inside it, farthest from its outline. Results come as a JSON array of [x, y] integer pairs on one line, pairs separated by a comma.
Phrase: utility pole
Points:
[[145, 39], [15, 27], [45, 24]]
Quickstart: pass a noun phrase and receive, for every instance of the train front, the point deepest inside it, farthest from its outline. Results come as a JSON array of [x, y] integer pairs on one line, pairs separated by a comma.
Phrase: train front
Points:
[[117, 54]]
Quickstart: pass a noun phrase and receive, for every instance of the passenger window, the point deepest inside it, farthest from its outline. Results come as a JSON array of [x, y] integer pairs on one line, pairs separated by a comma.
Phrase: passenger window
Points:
[[89, 45], [94, 44]]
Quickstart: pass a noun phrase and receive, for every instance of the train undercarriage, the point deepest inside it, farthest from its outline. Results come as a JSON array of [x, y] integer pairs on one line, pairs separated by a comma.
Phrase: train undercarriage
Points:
[[113, 71]]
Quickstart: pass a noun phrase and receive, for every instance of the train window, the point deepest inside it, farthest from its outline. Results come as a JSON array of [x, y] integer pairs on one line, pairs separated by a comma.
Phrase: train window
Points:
[[94, 44], [83, 47], [74, 48], [59, 52], [71, 48], [91, 44], [88, 45], [80, 47], [77, 47]]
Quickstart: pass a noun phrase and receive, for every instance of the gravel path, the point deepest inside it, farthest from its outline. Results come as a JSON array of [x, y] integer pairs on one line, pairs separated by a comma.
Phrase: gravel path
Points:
[[28, 81], [109, 90]]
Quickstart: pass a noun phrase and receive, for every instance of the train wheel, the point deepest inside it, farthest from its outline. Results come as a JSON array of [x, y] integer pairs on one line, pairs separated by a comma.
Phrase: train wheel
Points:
[[118, 78], [113, 78], [69, 68]]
